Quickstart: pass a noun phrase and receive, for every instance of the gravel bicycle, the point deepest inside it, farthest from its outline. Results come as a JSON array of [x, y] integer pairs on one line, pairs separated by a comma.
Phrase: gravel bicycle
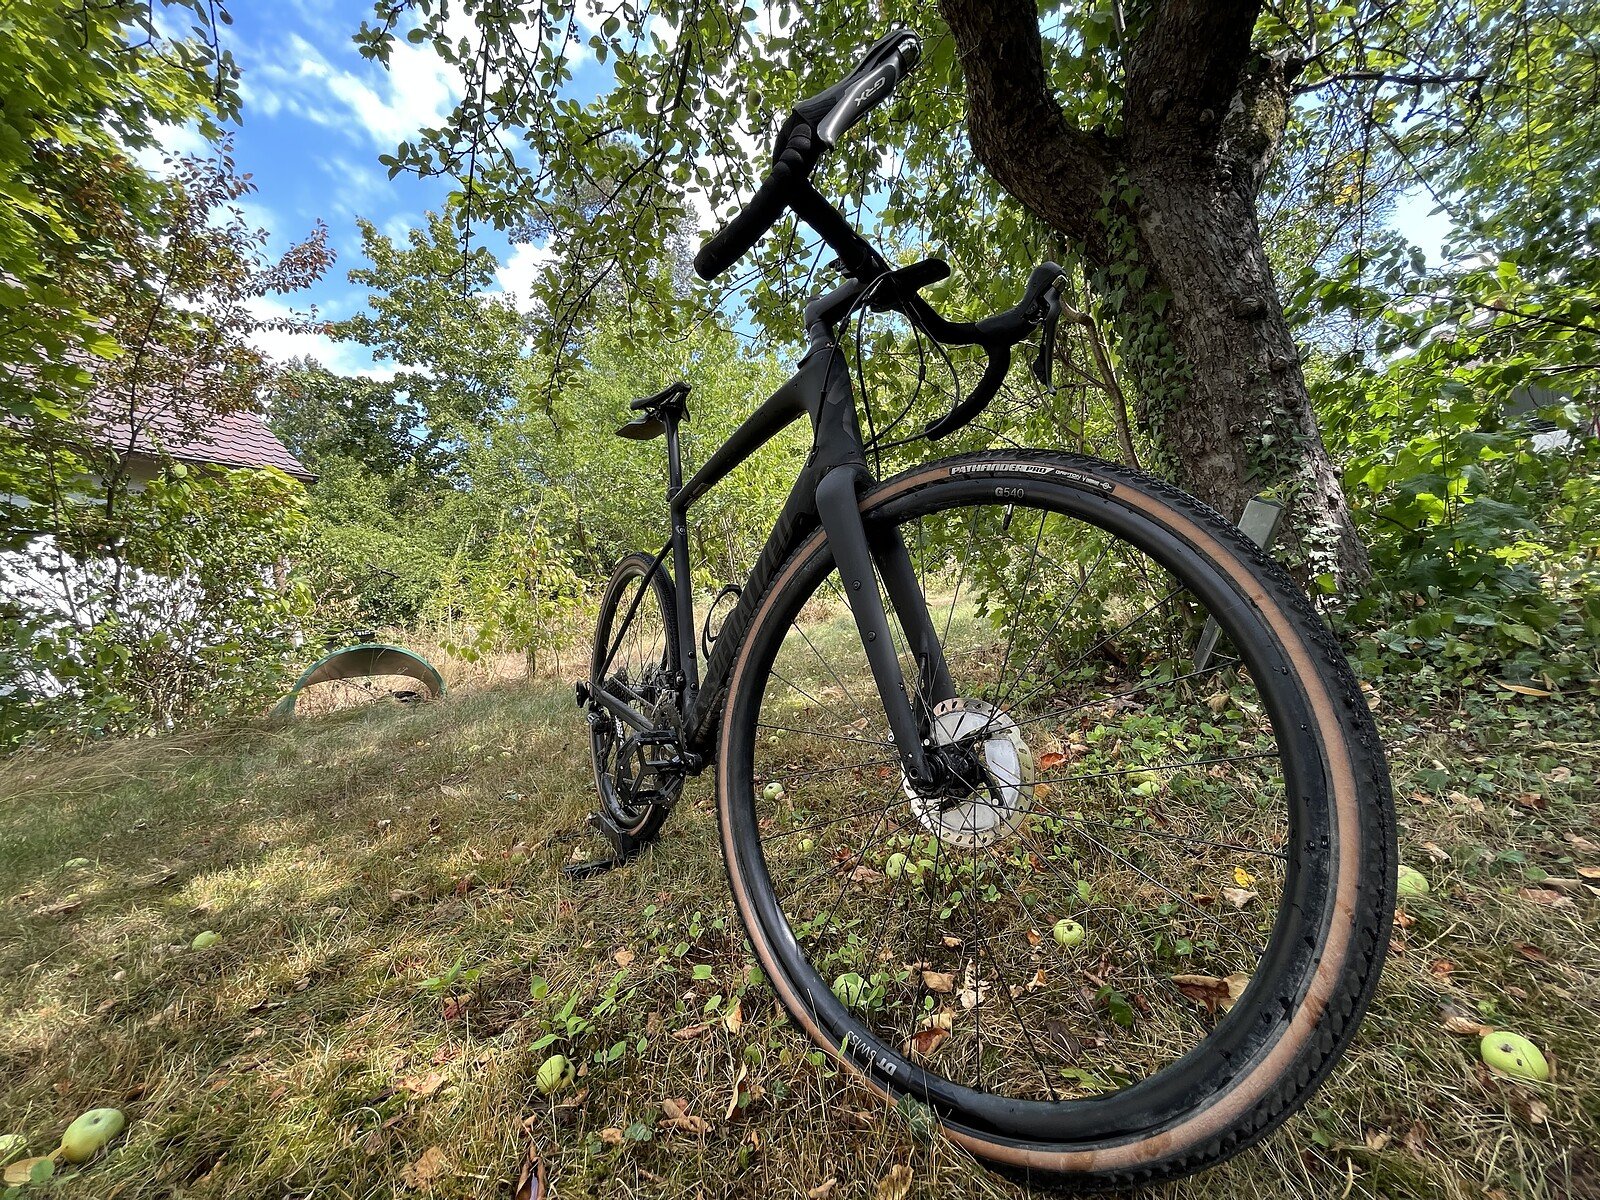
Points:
[[1104, 909]]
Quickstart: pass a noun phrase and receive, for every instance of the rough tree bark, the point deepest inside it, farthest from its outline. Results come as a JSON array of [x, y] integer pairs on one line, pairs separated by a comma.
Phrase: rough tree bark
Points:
[[1203, 116]]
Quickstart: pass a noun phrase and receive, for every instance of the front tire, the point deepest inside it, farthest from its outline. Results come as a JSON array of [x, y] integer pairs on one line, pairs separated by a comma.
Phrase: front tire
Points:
[[893, 967]]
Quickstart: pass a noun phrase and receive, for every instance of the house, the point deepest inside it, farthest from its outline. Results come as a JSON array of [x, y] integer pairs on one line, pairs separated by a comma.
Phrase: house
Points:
[[234, 440]]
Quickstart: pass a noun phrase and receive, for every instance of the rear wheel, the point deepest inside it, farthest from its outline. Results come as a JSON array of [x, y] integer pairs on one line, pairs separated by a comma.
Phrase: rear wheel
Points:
[[635, 658], [1135, 943]]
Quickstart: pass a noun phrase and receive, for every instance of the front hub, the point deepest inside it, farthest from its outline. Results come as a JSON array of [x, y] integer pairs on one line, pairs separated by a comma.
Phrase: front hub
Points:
[[988, 780]]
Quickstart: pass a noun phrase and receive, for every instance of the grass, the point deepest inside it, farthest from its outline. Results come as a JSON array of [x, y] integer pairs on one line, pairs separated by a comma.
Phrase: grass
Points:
[[398, 946]]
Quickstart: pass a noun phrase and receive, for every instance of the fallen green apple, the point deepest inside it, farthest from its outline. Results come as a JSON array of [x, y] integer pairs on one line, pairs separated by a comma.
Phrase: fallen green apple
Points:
[[11, 1145], [1069, 933], [896, 866], [90, 1132], [553, 1074], [1514, 1055], [1411, 882], [206, 940], [807, 845], [773, 791], [851, 989]]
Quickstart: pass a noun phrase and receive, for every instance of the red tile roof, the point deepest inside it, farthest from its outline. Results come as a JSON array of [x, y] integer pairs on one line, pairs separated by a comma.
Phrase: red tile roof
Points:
[[235, 440]]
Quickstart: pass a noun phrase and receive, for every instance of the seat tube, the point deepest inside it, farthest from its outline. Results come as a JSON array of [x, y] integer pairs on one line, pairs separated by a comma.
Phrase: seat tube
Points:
[[840, 513], [678, 515]]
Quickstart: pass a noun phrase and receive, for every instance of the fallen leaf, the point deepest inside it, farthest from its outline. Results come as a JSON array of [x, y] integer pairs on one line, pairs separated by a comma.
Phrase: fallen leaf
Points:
[[423, 1085], [676, 1115], [1582, 844], [1050, 759], [1560, 775], [895, 1185], [531, 1182], [925, 1042], [1466, 1027], [21, 1171], [1442, 967], [745, 1093], [690, 1033], [421, 1174], [611, 1135], [952, 943], [865, 874], [1529, 800], [1548, 897], [1521, 689], [1203, 989], [1415, 1139], [1531, 953], [974, 989], [942, 982], [1217, 701], [1435, 852], [1377, 1139], [61, 908], [1589, 872], [823, 1190], [1239, 897], [456, 1006], [1242, 877], [623, 958], [733, 1018]]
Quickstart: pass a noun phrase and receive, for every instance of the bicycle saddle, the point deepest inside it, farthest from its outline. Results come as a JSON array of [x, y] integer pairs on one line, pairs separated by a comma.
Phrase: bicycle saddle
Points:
[[671, 401]]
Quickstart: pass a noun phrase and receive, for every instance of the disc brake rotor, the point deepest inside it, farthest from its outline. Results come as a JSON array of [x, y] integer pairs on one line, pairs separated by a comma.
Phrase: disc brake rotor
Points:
[[988, 813]]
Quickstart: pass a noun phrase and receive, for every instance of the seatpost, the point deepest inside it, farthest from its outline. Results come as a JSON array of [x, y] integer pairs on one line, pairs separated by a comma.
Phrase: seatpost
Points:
[[674, 459]]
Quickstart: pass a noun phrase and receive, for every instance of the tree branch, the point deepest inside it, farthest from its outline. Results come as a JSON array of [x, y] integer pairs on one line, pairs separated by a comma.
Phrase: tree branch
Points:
[[1419, 80], [1018, 131]]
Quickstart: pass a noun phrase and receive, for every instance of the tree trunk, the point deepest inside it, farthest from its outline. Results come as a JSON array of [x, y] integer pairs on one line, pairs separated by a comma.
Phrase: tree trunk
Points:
[[1242, 422], [1176, 251]]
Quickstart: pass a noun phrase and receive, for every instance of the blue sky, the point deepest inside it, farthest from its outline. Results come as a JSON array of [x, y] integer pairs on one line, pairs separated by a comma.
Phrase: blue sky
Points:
[[316, 115]]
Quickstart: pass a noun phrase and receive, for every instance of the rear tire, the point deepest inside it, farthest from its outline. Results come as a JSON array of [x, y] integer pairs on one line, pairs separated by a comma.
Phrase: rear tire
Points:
[[645, 659], [1263, 1052]]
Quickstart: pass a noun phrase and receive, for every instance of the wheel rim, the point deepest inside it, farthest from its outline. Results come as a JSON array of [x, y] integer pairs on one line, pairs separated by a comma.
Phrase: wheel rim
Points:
[[641, 660], [1053, 1040]]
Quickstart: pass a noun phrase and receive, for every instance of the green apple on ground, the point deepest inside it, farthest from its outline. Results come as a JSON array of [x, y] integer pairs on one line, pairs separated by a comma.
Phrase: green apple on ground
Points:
[[807, 845], [773, 791], [1069, 933], [85, 1136], [1411, 882], [850, 988], [554, 1074], [205, 940], [11, 1145], [1514, 1055], [895, 867]]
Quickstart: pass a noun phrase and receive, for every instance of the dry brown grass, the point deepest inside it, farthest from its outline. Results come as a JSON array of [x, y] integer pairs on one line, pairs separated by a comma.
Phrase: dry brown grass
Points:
[[349, 859]]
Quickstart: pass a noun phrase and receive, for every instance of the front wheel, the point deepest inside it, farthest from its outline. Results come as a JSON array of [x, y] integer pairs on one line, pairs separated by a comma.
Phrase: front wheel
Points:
[[1151, 923]]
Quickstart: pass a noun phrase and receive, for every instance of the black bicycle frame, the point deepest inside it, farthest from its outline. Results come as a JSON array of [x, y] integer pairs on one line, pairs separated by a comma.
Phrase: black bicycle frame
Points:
[[826, 493]]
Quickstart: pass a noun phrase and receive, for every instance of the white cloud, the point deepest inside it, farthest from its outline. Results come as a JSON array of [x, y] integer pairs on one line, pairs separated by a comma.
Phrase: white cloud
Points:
[[342, 358], [416, 92], [518, 274]]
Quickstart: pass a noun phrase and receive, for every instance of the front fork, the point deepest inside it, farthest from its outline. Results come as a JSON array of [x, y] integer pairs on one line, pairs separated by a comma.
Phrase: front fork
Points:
[[854, 554]]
